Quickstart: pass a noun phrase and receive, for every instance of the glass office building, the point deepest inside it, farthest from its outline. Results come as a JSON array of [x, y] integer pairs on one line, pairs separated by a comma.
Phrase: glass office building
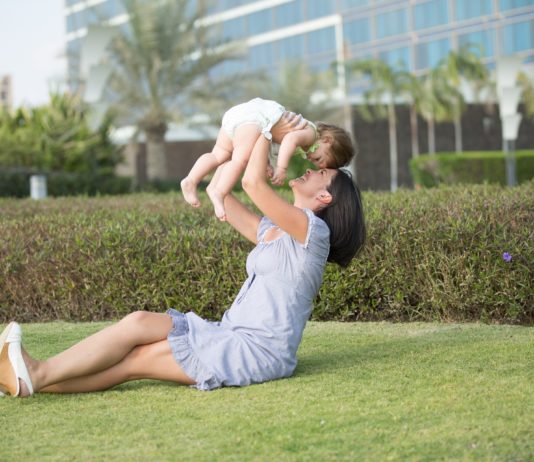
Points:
[[414, 33]]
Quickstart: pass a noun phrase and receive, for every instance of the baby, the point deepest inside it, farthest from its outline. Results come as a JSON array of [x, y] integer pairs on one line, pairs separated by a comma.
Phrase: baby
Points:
[[327, 146]]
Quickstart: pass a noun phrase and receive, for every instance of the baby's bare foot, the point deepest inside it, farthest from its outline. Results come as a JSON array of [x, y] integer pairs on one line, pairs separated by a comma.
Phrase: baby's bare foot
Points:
[[217, 200], [189, 190]]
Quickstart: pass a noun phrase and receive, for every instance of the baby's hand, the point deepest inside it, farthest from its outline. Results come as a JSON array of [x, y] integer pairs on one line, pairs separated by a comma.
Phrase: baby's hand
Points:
[[270, 171], [279, 176]]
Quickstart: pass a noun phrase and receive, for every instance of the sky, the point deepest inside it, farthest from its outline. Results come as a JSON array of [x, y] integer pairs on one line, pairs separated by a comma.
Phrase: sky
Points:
[[32, 48]]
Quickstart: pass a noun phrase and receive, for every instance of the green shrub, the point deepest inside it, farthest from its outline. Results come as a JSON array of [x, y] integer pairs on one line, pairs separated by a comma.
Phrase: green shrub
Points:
[[435, 254], [16, 183], [469, 168], [57, 137]]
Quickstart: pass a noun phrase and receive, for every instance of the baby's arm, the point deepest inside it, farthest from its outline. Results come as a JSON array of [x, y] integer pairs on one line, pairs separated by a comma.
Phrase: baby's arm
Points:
[[290, 142]]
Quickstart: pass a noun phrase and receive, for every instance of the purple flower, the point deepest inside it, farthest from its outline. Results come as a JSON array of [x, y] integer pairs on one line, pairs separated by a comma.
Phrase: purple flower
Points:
[[506, 257]]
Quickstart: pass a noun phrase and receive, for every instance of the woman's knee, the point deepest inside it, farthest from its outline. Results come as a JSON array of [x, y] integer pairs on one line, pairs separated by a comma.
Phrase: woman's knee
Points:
[[136, 319]]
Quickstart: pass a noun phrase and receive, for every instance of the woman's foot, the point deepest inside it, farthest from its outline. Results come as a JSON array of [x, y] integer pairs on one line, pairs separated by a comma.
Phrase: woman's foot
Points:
[[14, 374], [217, 200], [189, 190]]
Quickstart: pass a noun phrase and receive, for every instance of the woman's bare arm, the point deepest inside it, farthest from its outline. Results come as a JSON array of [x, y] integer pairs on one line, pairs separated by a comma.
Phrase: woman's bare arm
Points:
[[241, 218], [288, 217]]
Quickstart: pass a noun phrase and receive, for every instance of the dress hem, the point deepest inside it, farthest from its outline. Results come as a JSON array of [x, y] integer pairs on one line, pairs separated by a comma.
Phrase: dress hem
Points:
[[185, 356]]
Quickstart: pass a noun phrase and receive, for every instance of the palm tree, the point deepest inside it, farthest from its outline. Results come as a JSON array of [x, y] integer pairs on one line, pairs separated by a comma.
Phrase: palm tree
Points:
[[157, 65], [387, 83], [464, 64], [295, 87], [527, 93], [413, 93], [436, 102]]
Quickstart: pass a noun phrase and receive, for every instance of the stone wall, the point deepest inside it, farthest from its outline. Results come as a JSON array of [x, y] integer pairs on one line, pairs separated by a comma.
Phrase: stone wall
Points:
[[180, 158], [481, 131]]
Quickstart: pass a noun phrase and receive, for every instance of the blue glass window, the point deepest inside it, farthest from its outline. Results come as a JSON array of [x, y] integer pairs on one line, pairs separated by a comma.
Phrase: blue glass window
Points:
[[397, 58], [222, 5], [357, 31], [391, 23], [259, 22], [227, 4], [288, 14], [350, 4], [261, 56], [234, 66], [291, 48], [321, 64], [234, 29], [318, 8], [509, 4], [428, 54], [117, 8], [467, 9], [71, 23], [321, 40], [94, 15], [483, 38], [73, 48], [430, 14], [518, 37]]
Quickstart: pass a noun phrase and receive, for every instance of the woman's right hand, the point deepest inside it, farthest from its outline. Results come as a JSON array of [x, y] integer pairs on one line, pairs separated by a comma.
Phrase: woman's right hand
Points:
[[289, 122]]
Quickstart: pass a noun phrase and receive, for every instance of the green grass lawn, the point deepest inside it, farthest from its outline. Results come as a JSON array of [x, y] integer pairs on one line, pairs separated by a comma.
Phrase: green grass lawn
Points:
[[361, 392]]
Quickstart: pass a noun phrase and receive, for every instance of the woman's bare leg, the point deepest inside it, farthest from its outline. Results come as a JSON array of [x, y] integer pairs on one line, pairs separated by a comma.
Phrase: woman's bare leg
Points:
[[222, 151], [101, 350], [152, 361], [245, 138]]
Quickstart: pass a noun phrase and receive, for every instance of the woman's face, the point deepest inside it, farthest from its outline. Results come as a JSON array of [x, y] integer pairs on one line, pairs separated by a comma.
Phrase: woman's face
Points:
[[313, 181]]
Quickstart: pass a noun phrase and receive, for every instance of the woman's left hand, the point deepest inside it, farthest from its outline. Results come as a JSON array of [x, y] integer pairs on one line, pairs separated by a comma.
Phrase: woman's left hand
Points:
[[289, 122]]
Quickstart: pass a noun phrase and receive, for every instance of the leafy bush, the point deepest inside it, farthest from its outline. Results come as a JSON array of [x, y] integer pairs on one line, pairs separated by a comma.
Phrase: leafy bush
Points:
[[434, 254], [469, 168], [57, 140], [16, 183]]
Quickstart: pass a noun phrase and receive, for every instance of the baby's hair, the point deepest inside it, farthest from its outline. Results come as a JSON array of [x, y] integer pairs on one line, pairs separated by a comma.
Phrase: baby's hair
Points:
[[342, 148]]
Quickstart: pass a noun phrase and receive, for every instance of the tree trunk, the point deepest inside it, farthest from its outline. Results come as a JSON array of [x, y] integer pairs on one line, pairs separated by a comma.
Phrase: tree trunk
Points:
[[458, 133], [393, 147], [431, 136], [156, 158], [415, 132]]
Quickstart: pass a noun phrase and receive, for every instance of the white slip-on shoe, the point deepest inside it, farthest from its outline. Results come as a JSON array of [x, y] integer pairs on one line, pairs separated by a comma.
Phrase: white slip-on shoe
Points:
[[12, 362], [3, 337]]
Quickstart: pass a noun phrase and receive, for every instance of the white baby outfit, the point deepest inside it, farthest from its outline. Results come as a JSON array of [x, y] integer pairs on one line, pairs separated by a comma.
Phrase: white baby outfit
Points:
[[262, 112]]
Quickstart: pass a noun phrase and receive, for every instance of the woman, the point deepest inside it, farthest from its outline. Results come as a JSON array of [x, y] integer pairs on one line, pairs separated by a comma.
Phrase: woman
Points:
[[258, 337]]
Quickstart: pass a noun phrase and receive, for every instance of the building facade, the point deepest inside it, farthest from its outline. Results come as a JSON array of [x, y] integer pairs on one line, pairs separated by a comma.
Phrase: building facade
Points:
[[416, 33], [6, 92], [413, 33]]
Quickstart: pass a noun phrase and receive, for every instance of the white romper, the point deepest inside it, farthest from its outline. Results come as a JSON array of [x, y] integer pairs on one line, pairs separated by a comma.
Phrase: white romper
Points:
[[262, 112]]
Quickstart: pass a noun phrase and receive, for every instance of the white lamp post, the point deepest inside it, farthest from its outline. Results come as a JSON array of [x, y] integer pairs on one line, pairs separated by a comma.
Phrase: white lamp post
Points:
[[38, 188], [509, 94]]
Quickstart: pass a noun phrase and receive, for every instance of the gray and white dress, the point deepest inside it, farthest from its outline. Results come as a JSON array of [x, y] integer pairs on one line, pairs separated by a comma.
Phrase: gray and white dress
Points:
[[258, 337]]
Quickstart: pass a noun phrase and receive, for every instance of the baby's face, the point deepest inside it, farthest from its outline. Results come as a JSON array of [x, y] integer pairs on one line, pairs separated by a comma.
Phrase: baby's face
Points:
[[321, 157]]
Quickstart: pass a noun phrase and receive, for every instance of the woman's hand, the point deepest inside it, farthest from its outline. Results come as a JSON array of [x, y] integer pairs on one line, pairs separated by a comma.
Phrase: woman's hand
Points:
[[288, 217], [289, 122]]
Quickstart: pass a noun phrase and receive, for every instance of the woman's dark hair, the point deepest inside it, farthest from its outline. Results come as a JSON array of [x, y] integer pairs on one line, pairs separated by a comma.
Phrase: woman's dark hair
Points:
[[344, 216]]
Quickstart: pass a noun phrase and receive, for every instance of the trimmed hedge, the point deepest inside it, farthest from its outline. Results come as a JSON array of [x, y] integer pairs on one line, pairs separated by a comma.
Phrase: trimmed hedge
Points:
[[434, 254], [16, 183], [469, 168]]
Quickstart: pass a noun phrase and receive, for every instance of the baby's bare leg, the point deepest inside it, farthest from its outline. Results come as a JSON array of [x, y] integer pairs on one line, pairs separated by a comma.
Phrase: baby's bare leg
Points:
[[221, 152], [244, 140]]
